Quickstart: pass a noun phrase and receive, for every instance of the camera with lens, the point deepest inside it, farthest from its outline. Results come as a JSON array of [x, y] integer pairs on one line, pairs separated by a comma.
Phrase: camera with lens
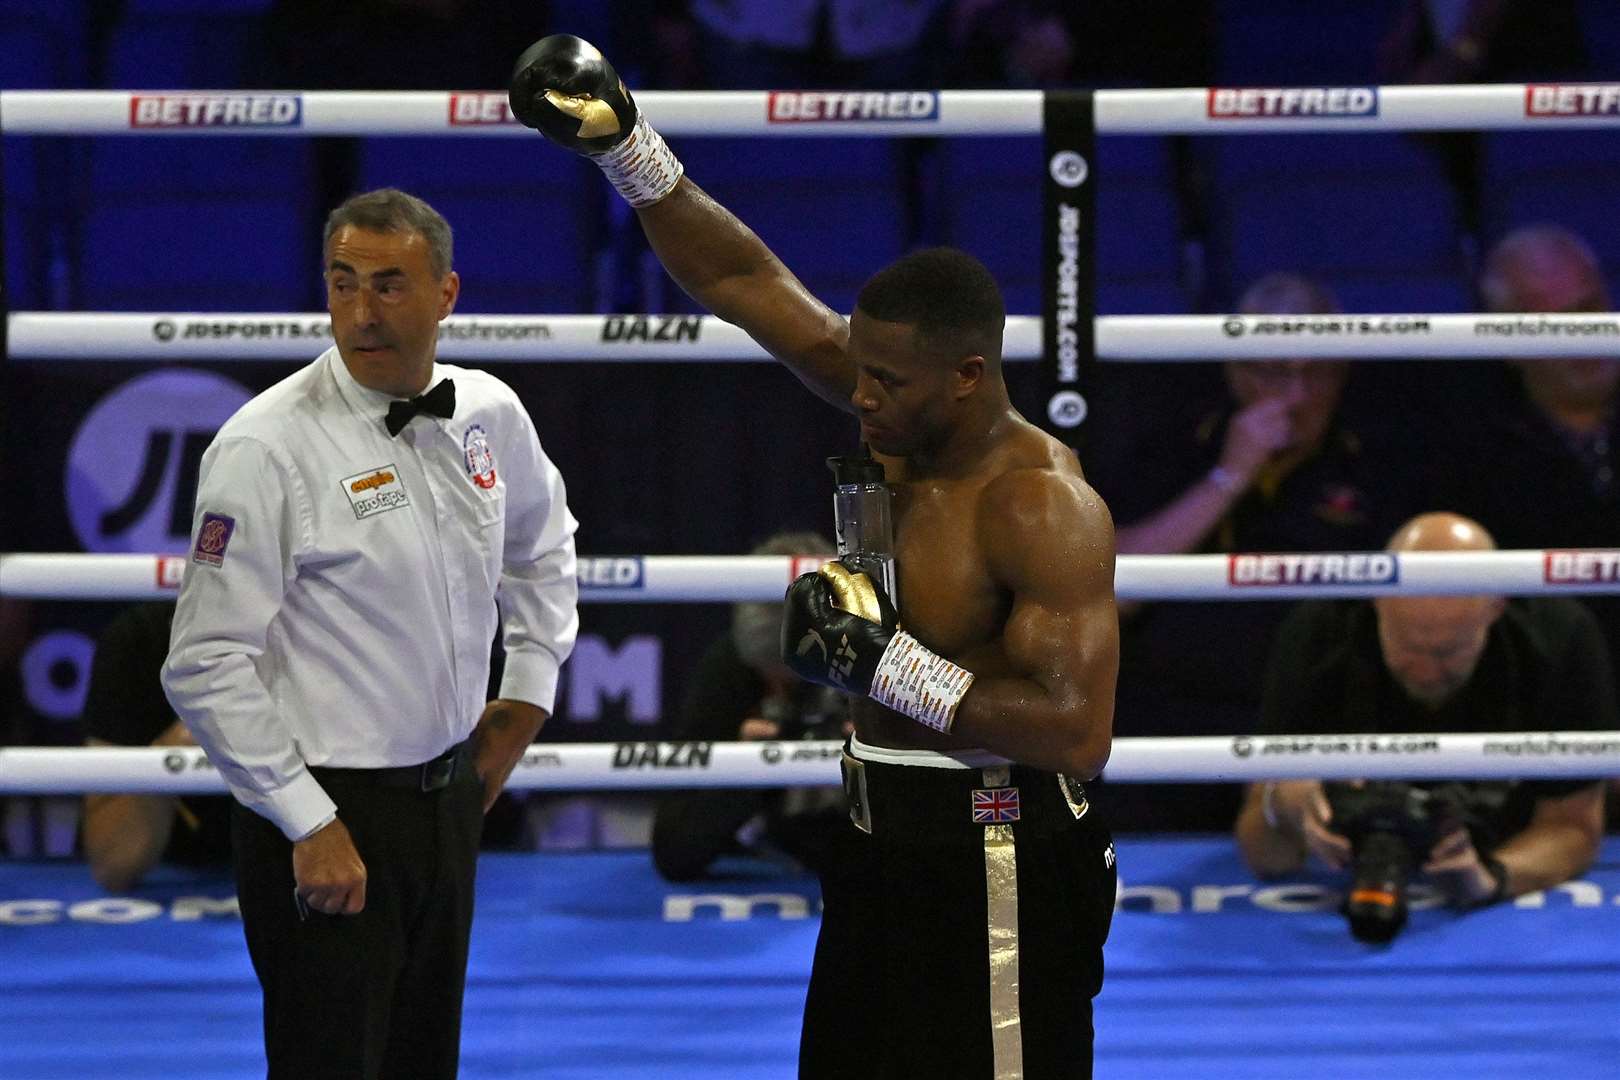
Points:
[[814, 712], [1391, 826]]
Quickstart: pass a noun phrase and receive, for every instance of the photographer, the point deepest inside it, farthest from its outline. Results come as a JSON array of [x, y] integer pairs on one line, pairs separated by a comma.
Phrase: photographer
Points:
[[1402, 665], [125, 835], [741, 690]]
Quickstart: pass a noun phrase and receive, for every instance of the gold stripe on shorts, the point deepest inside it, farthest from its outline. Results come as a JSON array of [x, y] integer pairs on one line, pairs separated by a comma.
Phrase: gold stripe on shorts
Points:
[[1001, 904]]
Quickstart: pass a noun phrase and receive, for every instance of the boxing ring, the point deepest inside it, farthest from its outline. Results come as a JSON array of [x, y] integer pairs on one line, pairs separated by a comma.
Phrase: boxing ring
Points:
[[586, 965]]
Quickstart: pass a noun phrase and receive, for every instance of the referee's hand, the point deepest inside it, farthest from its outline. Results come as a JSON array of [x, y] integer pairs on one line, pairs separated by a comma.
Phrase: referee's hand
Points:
[[328, 873]]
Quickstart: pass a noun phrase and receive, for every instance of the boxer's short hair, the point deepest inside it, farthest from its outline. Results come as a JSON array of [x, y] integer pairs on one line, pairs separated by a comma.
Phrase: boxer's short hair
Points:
[[947, 294], [392, 210]]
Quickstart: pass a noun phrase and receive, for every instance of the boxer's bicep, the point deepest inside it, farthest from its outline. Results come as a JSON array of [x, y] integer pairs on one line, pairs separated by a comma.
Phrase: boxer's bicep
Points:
[[1065, 635], [1054, 552]]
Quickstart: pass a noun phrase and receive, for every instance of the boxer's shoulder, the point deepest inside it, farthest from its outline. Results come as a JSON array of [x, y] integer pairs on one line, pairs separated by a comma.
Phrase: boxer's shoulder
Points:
[[1036, 493], [1024, 512], [1030, 473]]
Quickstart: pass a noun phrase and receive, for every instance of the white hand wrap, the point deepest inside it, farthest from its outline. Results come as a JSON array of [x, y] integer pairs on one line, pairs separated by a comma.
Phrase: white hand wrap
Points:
[[919, 683], [642, 168]]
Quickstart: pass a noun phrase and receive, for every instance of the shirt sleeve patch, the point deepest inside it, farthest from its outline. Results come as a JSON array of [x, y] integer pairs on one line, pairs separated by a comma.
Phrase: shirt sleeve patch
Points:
[[213, 536]]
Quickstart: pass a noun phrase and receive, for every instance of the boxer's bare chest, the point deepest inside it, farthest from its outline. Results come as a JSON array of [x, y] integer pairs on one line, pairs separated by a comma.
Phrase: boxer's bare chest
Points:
[[948, 597]]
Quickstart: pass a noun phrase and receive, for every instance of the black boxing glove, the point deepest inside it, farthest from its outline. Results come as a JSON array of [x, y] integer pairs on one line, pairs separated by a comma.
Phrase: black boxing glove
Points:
[[563, 87], [839, 629]]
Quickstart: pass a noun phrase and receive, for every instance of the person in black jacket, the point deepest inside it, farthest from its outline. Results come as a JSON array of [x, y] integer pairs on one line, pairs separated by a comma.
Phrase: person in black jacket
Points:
[[125, 836], [741, 690], [1411, 665]]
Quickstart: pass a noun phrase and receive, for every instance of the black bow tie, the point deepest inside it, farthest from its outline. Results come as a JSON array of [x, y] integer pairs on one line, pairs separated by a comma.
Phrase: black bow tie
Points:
[[440, 401]]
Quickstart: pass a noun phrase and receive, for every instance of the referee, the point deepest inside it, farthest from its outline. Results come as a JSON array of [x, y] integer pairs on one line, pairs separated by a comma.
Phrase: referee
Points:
[[356, 526]]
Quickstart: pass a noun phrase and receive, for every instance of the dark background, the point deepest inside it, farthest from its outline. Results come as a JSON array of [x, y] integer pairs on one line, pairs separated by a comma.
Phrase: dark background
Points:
[[709, 459]]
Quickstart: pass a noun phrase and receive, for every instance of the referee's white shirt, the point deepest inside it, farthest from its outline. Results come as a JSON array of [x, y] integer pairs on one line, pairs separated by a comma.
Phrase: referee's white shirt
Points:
[[340, 598]]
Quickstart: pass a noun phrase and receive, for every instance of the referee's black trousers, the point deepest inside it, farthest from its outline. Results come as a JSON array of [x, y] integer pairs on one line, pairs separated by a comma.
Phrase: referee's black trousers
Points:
[[376, 994]]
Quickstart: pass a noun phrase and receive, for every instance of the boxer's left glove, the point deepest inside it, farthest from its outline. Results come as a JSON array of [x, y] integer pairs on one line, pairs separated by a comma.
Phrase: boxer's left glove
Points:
[[563, 87], [839, 629]]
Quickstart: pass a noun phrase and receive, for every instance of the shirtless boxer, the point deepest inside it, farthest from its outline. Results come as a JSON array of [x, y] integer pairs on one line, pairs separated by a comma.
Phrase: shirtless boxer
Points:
[[962, 935]]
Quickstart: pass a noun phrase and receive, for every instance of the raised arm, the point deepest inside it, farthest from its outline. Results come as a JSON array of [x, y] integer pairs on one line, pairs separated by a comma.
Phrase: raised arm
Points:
[[564, 88], [722, 265]]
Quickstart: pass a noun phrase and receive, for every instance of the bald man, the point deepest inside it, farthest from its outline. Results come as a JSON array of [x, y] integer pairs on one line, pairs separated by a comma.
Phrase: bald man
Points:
[[1271, 464], [1541, 467], [1407, 665]]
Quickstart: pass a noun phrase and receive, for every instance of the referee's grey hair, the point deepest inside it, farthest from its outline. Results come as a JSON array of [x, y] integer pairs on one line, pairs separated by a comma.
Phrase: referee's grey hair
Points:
[[392, 210]]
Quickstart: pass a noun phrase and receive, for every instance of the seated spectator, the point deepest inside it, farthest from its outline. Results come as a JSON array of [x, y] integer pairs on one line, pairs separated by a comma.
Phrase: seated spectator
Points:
[[1407, 665], [800, 44], [1482, 41], [1270, 464], [1479, 41], [1043, 43], [741, 690], [1539, 468], [126, 835]]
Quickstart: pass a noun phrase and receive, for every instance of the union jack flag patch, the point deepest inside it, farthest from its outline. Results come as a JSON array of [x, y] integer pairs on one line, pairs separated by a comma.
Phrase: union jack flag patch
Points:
[[995, 806]]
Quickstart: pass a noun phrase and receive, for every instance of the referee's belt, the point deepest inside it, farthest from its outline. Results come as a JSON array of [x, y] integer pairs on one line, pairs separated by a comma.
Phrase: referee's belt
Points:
[[432, 775]]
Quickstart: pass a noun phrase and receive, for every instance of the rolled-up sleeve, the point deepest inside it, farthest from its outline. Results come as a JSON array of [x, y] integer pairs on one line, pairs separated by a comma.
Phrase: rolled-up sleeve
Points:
[[248, 527], [538, 594]]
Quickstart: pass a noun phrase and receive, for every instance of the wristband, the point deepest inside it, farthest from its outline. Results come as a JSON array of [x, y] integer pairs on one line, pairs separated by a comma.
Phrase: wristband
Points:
[[917, 682], [642, 168], [1493, 866]]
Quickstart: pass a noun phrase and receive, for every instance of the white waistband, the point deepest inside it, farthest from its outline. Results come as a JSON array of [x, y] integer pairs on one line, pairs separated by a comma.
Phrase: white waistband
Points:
[[931, 759]]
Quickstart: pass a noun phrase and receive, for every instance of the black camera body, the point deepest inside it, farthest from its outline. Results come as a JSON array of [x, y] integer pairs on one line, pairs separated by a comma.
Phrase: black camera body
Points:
[[815, 712], [1391, 826]]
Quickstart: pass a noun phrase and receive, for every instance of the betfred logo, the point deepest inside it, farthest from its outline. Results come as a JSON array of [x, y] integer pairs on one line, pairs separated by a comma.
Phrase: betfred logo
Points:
[[1229, 103], [1572, 99], [480, 107], [1581, 567], [807, 564], [807, 107], [171, 570], [1360, 568], [610, 573], [215, 110]]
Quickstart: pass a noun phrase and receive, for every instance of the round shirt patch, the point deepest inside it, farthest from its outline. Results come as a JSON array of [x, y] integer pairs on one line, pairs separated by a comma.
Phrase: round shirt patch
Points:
[[479, 457]]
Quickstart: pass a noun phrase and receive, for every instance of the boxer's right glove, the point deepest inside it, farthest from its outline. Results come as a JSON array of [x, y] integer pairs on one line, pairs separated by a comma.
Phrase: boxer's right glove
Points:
[[565, 89], [839, 629]]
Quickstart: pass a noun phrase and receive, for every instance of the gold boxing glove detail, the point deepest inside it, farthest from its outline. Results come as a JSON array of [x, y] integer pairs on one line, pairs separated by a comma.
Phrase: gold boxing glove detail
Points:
[[852, 591], [596, 117]]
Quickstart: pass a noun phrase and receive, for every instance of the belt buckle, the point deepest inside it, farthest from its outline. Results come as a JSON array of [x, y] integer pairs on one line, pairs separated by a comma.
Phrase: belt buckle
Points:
[[1074, 793], [860, 811], [438, 773]]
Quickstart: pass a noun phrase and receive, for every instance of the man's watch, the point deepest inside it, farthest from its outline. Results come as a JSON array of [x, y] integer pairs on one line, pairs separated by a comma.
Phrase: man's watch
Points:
[[1499, 881]]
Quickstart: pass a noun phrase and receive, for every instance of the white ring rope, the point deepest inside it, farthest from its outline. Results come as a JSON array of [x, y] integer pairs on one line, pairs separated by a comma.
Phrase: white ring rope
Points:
[[1196, 110], [664, 765], [66, 336], [742, 578], [252, 336]]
